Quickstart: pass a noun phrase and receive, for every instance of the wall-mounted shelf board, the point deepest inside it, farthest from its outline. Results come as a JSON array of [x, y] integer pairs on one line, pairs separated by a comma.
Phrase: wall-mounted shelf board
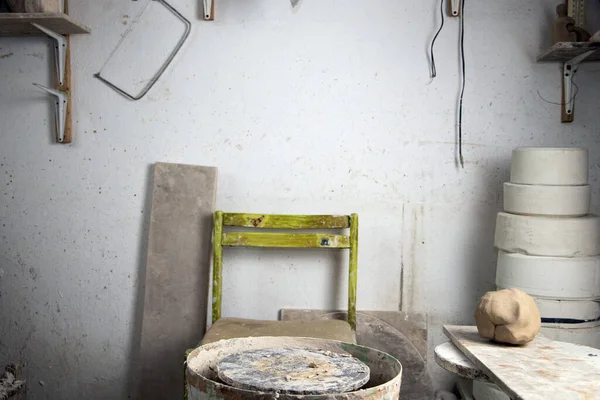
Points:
[[18, 24], [566, 51]]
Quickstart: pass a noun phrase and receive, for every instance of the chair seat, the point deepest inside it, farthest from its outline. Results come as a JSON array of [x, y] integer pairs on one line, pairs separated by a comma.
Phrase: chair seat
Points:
[[230, 328]]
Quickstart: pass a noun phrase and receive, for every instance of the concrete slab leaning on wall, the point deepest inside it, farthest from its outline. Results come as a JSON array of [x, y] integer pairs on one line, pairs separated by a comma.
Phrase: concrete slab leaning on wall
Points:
[[177, 275]]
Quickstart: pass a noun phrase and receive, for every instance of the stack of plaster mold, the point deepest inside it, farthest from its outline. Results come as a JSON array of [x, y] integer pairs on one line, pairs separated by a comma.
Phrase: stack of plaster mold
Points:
[[549, 244]]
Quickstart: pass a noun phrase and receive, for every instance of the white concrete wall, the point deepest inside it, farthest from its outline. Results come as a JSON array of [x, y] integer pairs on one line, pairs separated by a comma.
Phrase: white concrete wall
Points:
[[326, 108]]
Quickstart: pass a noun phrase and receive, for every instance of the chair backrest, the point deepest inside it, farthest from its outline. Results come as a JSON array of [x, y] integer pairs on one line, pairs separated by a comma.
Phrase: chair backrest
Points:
[[284, 240]]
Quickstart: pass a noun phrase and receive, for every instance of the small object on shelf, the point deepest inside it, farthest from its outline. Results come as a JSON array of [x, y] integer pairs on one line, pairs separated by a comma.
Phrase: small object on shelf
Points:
[[60, 110], [581, 35], [36, 6], [576, 10], [560, 26], [43, 6]]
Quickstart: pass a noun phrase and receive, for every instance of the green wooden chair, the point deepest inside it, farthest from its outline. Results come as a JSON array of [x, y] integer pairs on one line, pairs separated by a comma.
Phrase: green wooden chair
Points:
[[228, 328]]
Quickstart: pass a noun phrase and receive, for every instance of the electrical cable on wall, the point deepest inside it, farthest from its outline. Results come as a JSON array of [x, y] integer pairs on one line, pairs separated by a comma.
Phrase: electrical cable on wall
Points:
[[462, 68], [567, 102], [463, 82], [433, 69]]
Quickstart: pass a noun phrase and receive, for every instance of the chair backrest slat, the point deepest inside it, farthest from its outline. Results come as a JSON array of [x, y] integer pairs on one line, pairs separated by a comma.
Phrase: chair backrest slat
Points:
[[284, 240], [274, 221], [289, 240]]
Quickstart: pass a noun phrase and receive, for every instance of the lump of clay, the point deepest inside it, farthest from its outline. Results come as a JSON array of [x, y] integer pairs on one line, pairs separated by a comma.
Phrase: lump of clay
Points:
[[508, 316]]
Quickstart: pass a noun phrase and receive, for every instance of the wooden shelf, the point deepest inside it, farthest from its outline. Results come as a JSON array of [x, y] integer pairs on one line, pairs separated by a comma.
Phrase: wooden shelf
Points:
[[18, 24], [565, 51]]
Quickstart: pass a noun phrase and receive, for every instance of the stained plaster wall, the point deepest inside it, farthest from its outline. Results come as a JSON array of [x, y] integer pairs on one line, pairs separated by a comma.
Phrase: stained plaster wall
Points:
[[324, 108]]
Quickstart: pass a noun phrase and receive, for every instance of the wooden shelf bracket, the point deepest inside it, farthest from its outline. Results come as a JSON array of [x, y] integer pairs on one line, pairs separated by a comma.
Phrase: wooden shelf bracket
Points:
[[209, 10], [455, 7]]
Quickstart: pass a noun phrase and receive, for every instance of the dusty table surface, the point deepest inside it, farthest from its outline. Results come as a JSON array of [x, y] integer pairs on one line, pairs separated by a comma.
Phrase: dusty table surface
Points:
[[293, 371], [542, 369]]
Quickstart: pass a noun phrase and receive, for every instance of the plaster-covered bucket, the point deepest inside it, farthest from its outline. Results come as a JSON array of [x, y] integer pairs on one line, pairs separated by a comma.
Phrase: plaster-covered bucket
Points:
[[202, 381]]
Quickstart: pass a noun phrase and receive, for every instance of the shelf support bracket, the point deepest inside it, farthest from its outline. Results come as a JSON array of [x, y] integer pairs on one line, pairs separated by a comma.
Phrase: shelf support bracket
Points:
[[454, 7], [209, 10], [569, 69], [60, 50], [60, 110]]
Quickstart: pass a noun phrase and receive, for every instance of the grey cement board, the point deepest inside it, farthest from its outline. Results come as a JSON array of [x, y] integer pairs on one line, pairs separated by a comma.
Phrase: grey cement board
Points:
[[177, 275]]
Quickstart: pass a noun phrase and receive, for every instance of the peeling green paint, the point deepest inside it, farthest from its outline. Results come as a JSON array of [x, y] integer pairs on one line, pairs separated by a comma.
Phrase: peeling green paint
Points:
[[284, 240]]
